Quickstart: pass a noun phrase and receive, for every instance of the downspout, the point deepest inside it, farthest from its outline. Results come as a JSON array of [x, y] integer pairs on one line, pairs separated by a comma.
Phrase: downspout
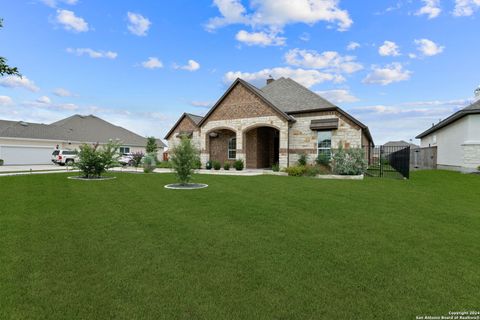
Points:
[[288, 144]]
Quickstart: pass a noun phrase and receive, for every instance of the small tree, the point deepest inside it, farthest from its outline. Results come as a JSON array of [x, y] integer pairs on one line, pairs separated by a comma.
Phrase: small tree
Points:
[[184, 158], [349, 162], [4, 68], [137, 158], [93, 161], [151, 147]]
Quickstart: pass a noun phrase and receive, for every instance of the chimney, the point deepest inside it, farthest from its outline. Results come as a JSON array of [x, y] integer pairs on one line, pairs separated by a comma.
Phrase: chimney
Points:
[[270, 80]]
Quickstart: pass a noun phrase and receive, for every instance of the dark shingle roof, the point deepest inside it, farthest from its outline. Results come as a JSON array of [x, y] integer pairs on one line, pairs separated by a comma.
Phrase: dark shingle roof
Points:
[[290, 96], [401, 143], [75, 128], [474, 108], [196, 120]]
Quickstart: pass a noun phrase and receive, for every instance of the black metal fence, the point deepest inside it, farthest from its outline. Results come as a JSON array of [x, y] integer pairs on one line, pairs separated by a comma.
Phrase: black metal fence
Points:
[[388, 161]]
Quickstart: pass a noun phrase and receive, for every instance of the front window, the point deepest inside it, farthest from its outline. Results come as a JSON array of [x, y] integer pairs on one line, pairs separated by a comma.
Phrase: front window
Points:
[[124, 150], [324, 143], [232, 148]]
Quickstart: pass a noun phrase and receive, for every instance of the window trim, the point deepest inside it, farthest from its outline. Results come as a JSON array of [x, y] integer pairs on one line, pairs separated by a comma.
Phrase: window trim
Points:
[[120, 150], [324, 148], [234, 150]]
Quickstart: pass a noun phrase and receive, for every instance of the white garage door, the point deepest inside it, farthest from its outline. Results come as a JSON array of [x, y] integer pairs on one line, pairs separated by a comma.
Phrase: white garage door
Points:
[[17, 155]]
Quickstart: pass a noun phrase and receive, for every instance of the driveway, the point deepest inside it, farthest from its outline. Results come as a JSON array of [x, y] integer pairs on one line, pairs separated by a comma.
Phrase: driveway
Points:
[[37, 167]]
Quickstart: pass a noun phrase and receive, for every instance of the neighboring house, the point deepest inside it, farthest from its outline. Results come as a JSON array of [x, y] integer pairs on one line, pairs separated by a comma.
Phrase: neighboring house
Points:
[[401, 143], [457, 139], [270, 125], [33, 143]]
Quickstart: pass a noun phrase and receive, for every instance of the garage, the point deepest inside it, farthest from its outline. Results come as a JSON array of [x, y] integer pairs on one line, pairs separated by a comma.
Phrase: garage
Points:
[[21, 155]]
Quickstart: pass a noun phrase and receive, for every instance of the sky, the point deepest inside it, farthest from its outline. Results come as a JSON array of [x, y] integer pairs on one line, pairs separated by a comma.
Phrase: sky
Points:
[[398, 66]]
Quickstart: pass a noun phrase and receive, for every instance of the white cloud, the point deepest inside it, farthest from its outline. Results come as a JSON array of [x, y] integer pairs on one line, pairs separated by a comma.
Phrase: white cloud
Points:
[[405, 120], [275, 14], [44, 100], [202, 104], [259, 38], [192, 65], [353, 45], [389, 48], [54, 3], [305, 37], [5, 101], [138, 24], [96, 54], [391, 73], [308, 78], [61, 92], [17, 82], [431, 8], [331, 61], [338, 96], [71, 22], [152, 63], [465, 8], [428, 47]]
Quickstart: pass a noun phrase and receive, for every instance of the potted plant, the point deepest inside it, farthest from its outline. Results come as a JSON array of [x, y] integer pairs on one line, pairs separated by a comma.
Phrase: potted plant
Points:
[[226, 166], [238, 165], [216, 165]]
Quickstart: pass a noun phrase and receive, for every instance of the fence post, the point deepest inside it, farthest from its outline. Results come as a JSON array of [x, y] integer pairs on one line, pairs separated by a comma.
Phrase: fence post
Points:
[[381, 161]]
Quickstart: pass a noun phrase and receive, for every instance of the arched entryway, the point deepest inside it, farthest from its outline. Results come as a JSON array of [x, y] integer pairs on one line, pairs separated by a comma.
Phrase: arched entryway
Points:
[[262, 146], [222, 145]]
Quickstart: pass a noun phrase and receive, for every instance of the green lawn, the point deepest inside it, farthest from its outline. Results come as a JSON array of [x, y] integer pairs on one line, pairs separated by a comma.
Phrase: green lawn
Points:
[[265, 247]]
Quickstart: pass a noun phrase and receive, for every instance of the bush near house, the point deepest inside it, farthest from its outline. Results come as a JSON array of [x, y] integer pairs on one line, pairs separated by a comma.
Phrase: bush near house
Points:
[[275, 167], [137, 158], [208, 165], [184, 158], [226, 166], [302, 159], [94, 161], [238, 165], [307, 170], [164, 164], [1, 162], [149, 163], [349, 161], [216, 165]]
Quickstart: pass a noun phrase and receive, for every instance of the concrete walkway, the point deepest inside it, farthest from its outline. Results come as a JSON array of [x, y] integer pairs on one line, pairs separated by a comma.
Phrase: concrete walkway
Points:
[[33, 167], [232, 172]]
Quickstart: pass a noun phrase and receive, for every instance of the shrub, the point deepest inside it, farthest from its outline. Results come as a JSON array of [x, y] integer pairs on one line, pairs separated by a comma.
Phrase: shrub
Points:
[[216, 165], [312, 171], [164, 164], [152, 147], [137, 158], [208, 165], [149, 163], [275, 167], [1, 162], [323, 159], [92, 161], [295, 171], [349, 162], [184, 158], [238, 165], [302, 159], [226, 166], [197, 164]]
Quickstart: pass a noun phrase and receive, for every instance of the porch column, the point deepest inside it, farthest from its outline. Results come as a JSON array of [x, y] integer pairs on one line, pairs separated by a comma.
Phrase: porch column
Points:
[[283, 148], [240, 148], [204, 153]]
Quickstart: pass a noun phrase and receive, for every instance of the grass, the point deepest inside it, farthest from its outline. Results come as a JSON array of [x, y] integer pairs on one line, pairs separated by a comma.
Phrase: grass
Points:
[[265, 247]]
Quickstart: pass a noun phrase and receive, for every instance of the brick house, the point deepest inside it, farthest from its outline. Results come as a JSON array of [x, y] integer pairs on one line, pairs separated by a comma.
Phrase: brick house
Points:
[[270, 125]]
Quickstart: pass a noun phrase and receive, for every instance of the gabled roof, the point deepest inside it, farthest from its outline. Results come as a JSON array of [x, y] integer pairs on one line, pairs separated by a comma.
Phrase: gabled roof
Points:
[[474, 108], [290, 96], [259, 93], [195, 119], [75, 128], [401, 143]]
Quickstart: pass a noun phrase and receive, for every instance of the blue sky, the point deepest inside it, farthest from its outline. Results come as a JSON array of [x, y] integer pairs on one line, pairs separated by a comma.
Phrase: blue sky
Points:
[[398, 66]]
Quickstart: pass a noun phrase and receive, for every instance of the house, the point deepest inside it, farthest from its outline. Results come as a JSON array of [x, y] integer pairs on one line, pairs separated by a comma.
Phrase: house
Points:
[[273, 124], [457, 139], [401, 143], [24, 143]]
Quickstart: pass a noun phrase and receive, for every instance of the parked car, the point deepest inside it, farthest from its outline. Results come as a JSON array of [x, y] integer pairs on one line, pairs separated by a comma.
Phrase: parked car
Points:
[[126, 159], [64, 157]]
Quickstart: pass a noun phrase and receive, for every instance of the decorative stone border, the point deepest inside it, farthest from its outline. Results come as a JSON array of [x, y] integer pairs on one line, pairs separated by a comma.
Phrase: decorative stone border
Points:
[[339, 177], [189, 186], [91, 179]]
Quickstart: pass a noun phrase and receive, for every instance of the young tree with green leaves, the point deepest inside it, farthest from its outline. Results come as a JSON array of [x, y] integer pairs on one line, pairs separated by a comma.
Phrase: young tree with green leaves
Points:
[[184, 158], [4, 68], [151, 145]]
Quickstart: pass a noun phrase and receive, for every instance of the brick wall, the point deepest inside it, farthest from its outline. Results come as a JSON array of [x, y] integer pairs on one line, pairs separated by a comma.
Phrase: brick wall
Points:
[[218, 146], [184, 126]]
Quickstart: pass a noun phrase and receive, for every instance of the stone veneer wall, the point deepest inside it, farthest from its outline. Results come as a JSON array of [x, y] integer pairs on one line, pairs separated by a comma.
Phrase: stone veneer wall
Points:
[[304, 140], [471, 156], [185, 125]]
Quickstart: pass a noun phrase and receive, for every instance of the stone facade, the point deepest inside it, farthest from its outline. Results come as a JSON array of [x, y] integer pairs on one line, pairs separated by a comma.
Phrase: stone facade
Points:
[[304, 140], [186, 125], [471, 156]]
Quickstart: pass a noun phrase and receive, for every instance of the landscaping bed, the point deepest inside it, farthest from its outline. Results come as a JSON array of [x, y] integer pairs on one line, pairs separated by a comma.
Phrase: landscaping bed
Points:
[[264, 247]]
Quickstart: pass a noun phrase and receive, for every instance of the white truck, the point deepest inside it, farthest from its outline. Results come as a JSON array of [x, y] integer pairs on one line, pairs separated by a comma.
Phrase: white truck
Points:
[[64, 157]]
